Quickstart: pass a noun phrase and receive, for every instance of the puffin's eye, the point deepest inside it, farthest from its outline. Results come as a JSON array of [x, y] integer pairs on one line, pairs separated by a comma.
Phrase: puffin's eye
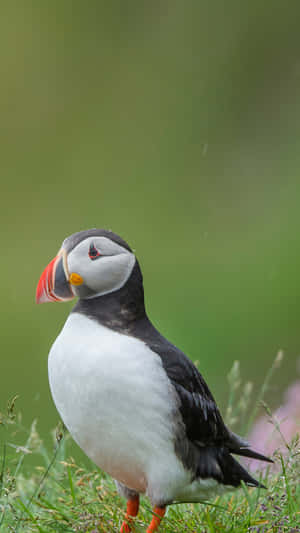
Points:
[[93, 252]]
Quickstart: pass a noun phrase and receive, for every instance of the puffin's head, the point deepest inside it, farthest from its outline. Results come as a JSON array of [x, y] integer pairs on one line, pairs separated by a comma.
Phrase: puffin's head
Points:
[[90, 263]]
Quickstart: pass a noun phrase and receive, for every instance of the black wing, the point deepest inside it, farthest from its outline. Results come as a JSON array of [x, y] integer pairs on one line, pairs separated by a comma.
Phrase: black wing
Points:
[[202, 418], [211, 441], [203, 421]]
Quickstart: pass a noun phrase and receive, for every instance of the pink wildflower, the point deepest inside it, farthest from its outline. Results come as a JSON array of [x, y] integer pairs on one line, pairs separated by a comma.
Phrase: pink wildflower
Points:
[[269, 435]]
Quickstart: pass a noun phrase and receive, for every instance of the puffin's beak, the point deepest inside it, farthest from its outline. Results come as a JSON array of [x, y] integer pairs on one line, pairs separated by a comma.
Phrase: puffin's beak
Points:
[[54, 285]]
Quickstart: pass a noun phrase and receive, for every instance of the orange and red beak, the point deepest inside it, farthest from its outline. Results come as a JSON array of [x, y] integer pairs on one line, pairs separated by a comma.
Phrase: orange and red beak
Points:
[[54, 285]]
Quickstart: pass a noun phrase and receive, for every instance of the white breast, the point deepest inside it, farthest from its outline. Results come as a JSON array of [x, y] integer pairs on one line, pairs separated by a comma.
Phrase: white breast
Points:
[[117, 402]]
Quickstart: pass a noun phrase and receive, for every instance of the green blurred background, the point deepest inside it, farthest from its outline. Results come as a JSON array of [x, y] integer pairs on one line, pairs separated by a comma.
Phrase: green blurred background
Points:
[[176, 124]]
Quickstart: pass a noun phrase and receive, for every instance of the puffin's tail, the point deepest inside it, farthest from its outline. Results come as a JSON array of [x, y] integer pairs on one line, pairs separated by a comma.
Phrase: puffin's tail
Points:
[[247, 452], [239, 446], [234, 473], [218, 463]]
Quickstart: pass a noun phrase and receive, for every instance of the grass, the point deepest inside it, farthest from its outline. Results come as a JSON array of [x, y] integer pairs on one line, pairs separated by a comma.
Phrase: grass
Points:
[[45, 492]]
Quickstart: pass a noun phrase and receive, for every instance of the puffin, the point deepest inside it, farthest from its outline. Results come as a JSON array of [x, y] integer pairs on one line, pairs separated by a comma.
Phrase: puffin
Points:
[[134, 403]]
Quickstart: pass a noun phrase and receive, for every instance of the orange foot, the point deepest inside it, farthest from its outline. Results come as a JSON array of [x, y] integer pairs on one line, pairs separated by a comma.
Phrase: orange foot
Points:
[[159, 513], [125, 528], [131, 511]]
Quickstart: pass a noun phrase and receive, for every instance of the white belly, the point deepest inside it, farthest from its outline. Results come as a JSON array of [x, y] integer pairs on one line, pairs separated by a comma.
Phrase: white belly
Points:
[[117, 402]]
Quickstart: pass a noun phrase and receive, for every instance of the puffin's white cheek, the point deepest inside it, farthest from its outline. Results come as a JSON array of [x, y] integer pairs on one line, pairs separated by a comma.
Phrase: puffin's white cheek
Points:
[[110, 273], [105, 274]]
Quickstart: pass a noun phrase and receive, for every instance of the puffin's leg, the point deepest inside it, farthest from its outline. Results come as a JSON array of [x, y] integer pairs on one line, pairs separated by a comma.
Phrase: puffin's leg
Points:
[[157, 518], [131, 512]]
